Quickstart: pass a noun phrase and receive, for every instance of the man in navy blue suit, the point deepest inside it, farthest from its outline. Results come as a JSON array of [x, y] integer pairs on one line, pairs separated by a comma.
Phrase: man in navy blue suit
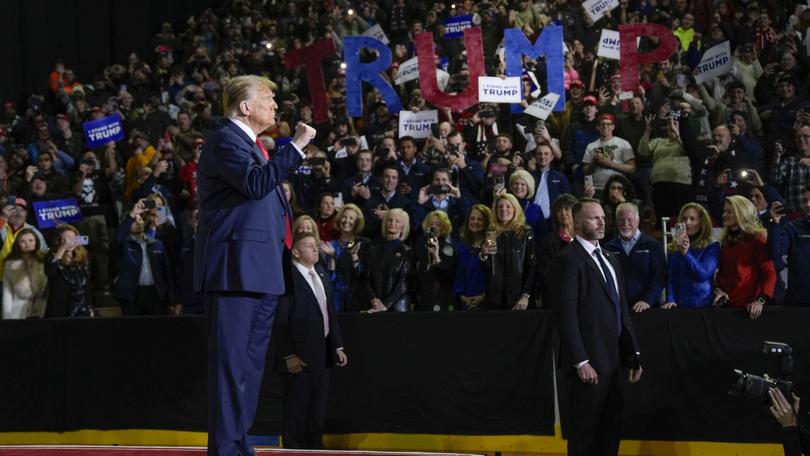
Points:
[[242, 237]]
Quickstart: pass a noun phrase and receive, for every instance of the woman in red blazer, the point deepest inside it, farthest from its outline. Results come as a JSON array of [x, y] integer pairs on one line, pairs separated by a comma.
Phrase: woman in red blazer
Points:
[[746, 277]]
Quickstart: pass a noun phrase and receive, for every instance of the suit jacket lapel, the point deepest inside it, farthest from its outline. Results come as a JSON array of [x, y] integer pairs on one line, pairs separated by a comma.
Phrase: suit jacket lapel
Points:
[[592, 266], [304, 284], [252, 145]]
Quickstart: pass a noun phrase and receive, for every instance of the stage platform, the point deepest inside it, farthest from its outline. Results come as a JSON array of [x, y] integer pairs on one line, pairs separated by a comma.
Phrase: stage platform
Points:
[[56, 450]]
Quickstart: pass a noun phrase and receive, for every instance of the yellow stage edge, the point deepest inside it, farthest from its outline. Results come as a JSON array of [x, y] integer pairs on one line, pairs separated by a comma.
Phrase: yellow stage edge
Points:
[[400, 442]]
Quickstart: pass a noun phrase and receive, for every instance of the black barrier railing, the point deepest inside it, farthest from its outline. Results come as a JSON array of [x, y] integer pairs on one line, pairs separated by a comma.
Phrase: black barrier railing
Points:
[[478, 373]]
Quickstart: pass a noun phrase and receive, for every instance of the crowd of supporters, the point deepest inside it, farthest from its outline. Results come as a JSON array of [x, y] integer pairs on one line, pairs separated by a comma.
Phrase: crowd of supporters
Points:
[[469, 218]]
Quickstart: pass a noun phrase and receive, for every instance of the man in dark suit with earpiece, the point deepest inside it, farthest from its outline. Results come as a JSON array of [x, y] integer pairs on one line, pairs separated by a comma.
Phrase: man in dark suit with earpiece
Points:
[[306, 343], [598, 345]]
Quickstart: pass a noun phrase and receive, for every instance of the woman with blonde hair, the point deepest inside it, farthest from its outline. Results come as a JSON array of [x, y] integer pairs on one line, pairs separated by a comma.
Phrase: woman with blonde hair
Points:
[[522, 185], [693, 260], [511, 259], [746, 277], [471, 277], [343, 258], [25, 286], [388, 266], [435, 263], [68, 269], [306, 224]]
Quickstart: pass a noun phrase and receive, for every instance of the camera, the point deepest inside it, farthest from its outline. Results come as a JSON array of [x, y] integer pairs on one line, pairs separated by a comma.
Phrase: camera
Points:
[[438, 189], [350, 142], [430, 235], [756, 387], [10, 201], [149, 204], [675, 115], [434, 130], [317, 161]]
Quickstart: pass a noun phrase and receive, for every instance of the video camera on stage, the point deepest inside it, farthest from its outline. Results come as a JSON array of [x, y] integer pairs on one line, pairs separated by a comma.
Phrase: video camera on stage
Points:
[[754, 386]]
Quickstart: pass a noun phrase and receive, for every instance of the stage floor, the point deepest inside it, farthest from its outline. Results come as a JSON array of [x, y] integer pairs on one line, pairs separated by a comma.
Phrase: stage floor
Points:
[[56, 450]]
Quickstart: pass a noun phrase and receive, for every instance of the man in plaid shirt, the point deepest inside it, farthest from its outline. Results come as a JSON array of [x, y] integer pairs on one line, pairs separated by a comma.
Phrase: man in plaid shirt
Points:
[[793, 173]]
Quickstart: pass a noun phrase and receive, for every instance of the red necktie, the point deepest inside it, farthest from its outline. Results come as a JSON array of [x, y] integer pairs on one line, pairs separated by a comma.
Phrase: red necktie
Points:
[[287, 224], [262, 148]]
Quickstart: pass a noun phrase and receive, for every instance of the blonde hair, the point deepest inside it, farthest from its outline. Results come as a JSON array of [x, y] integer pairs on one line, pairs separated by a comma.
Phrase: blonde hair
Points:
[[359, 223], [704, 237], [518, 222], [240, 89], [526, 177], [404, 218], [486, 213], [300, 220], [444, 220], [747, 219]]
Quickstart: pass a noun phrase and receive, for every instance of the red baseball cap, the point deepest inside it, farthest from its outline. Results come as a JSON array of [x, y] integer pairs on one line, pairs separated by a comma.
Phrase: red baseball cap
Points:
[[606, 116], [590, 99]]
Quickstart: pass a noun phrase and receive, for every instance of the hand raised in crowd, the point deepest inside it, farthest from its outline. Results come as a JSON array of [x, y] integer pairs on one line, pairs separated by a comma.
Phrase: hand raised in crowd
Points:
[[589, 190], [327, 249], [423, 195], [544, 134], [295, 364], [161, 167], [30, 170], [777, 211], [778, 151], [380, 211], [669, 305], [805, 162], [683, 244], [139, 208]]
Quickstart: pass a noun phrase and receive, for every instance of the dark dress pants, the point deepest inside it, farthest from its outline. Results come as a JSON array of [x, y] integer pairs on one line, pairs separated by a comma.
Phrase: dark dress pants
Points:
[[595, 414], [305, 398], [239, 327]]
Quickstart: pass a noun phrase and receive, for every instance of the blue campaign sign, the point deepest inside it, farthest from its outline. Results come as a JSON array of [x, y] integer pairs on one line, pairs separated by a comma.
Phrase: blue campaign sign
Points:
[[101, 131], [53, 212], [455, 26]]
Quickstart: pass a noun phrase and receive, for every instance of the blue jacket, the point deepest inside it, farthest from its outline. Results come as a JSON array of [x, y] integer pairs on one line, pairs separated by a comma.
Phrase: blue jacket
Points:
[[471, 275], [691, 276], [793, 239], [556, 183], [125, 286], [240, 237], [645, 269]]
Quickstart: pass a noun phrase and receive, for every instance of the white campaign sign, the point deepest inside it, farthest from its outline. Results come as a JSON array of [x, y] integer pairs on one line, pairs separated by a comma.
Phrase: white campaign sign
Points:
[[376, 31], [715, 62], [609, 47], [597, 8], [542, 107], [497, 90], [417, 124], [408, 71]]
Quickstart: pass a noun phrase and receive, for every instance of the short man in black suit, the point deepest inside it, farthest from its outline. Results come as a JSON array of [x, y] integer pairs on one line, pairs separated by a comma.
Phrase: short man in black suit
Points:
[[597, 339], [306, 342]]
